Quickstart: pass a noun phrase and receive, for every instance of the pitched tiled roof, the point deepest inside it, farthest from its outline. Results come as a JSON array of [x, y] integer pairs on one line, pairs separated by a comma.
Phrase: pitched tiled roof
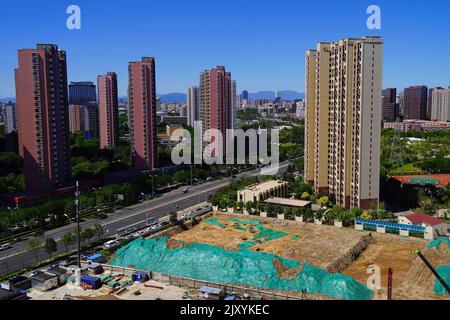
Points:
[[424, 218]]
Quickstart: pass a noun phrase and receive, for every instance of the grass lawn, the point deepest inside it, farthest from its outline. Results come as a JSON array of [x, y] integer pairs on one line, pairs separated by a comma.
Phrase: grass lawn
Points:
[[407, 169]]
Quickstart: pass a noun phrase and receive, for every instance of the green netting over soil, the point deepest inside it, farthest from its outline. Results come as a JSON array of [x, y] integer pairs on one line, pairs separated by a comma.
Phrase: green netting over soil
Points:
[[253, 268], [444, 272], [437, 243], [215, 222], [264, 234]]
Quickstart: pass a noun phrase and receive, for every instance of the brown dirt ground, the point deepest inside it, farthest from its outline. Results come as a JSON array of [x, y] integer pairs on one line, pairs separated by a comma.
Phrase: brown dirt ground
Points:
[[316, 245], [321, 245], [386, 255]]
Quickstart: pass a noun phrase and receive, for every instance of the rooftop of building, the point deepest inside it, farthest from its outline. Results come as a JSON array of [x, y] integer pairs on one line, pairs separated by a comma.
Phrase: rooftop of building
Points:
[[288, 202], [418, 218], [438, 180], [44, 276], [267, 185]]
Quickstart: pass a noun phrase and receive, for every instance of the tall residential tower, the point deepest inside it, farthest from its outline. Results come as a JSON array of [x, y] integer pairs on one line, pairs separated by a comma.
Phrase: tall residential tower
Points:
[[108, 110], [215, 103], [43, 117], [343, 120], [193, 105], [142, 109]]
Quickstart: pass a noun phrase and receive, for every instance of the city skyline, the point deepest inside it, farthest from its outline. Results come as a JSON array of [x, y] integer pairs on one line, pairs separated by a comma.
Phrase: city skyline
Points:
[[262, 55]]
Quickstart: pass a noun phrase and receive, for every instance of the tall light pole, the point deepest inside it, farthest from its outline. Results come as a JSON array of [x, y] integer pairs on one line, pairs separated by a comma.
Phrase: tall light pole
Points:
[[77, 205], [152, 176], [96, 189]]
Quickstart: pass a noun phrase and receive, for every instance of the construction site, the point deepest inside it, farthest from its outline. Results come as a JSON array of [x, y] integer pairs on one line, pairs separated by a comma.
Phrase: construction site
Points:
[[298, 259]]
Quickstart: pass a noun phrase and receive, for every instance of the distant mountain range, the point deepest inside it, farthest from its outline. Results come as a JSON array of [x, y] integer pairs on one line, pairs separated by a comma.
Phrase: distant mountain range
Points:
[[6, 100], [173, 97], [270, 95], [177, 97]]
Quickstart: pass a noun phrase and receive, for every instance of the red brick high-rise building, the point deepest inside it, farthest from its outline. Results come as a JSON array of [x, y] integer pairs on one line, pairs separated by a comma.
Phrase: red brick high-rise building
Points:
[[216, 101], [142, 110], [108, 109], [43, 117]]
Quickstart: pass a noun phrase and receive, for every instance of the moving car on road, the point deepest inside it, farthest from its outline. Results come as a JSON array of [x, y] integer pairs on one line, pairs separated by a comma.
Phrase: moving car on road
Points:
[[5, 246]]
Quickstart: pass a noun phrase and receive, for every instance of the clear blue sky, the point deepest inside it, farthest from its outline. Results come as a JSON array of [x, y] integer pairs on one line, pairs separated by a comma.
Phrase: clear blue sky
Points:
[[261, 42]]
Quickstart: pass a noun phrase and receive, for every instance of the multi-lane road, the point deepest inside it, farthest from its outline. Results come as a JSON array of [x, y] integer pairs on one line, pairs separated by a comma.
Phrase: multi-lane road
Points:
[[18, 256]]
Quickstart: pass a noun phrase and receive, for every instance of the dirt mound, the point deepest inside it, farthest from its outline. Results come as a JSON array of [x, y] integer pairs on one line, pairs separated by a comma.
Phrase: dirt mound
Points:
[[175, 244], [419, 281], [286, 272]]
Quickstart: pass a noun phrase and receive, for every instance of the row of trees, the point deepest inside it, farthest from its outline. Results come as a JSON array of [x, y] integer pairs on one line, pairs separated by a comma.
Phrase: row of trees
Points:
[[55, 213], [50, 246]]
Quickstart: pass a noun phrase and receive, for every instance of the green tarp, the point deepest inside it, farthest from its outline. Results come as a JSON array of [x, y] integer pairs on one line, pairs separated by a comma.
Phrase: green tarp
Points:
[[253, 268], [444, 272], [436, 243]]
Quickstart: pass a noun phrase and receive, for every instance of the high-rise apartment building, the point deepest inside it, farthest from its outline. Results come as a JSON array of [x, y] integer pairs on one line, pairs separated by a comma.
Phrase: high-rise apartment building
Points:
[[193, 105], [43, 117], [142, 109], [429, 103], [415, 105], [233, 105], [244, 95], [390, 105], [10, 117], [84, 118], [310, 114], [76, 118], [215, 104], [401, 104], [82, 92], [343, 118], [440, 109], [108, 110], [91, 121]]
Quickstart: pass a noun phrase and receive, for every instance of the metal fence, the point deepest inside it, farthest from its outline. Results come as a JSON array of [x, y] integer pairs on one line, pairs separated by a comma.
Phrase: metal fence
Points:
[[195, 283]]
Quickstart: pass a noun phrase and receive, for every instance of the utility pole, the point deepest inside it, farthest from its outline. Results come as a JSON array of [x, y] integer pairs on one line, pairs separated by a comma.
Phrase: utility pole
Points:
[[77, 204], [389, 295]]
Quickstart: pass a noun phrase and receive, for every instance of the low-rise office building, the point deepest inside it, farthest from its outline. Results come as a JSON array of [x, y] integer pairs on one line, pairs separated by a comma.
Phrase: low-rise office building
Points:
[[262, 191]]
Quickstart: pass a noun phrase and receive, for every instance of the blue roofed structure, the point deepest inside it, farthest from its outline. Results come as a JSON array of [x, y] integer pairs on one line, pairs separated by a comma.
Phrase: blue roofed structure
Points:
[[390, 225]]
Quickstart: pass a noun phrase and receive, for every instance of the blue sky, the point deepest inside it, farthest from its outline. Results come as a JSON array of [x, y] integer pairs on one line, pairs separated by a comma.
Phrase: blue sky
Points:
[[261, 42]]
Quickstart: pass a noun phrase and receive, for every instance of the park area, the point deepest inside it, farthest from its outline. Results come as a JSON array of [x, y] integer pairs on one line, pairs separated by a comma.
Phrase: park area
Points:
[[285, 256]]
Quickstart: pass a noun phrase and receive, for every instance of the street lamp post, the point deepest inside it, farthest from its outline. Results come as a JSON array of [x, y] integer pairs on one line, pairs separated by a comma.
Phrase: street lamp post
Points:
[[96, 189], [77, 204]]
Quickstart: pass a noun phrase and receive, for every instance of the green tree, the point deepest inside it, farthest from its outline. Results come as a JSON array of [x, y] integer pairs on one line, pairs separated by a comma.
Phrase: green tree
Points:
[[68, 239], [34, 246], [429, 206], [249, 206], [50, 246], [173, 218], [98, 231], [324, 201]]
